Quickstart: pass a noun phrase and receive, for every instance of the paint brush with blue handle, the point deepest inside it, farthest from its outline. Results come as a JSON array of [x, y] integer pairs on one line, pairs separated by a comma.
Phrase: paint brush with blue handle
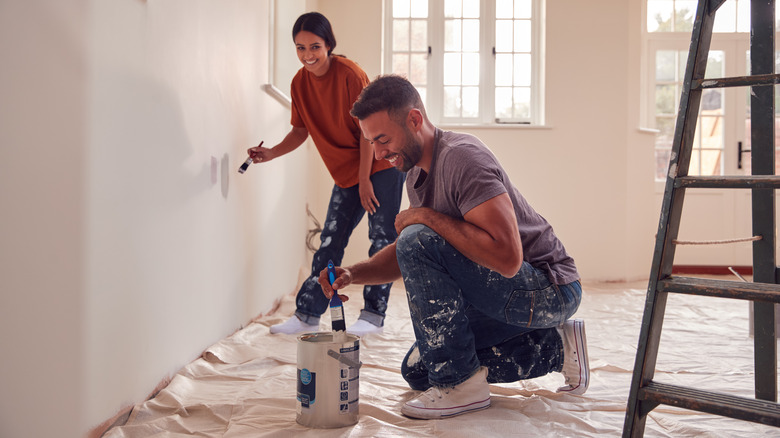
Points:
[[336, 307]]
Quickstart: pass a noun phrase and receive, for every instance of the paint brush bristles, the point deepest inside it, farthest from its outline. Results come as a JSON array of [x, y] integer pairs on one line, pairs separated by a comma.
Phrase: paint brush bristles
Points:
[[245, 166]]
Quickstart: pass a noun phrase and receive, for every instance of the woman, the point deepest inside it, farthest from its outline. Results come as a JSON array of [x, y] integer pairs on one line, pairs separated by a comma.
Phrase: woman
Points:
[[323, 92]]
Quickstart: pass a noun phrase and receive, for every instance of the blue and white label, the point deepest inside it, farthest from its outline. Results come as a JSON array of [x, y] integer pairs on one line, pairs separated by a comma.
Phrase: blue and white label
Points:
[[305, 376]]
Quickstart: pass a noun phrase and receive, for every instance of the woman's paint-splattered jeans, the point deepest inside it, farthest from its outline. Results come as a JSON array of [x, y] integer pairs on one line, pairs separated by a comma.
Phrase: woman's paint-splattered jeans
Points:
[[465, 315], [344, 213]]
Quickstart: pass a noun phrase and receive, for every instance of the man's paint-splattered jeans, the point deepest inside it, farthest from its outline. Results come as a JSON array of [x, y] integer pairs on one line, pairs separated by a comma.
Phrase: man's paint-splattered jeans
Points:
[[344, 213], [465, 315]]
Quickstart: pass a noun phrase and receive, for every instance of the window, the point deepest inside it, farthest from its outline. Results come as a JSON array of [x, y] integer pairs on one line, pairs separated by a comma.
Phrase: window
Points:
[[708, 142], [473, 61], [718, 132]]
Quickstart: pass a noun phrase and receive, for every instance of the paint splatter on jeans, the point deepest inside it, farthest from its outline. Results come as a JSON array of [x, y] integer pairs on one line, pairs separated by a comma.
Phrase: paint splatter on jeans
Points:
[[465, 315], [344, 214]]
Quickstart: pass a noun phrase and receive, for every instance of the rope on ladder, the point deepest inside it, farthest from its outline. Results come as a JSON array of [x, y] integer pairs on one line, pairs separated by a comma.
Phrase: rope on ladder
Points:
[[716, 242]]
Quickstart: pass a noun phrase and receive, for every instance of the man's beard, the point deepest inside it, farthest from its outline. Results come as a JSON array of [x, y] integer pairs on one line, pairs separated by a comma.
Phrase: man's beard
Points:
[[411, 153]]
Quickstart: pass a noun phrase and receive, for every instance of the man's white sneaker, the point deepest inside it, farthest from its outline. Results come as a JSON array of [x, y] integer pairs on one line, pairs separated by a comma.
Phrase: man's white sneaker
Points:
[[471, 395], [576, 369], [362, 327], [293, 326]]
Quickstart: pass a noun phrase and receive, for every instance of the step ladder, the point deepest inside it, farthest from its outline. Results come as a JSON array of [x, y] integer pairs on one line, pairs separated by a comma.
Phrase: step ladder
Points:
[[646, 394]]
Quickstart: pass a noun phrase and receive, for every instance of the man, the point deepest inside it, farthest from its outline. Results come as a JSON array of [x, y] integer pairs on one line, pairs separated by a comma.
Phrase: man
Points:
[[490, 287]]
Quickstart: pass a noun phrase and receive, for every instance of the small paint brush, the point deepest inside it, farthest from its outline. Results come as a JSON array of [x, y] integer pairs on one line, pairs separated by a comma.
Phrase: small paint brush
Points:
[[245, 166], [336, 306], [249, 160]]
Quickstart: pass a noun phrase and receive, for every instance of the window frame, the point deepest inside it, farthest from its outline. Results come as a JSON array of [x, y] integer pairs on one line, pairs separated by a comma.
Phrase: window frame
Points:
[[434, 93]]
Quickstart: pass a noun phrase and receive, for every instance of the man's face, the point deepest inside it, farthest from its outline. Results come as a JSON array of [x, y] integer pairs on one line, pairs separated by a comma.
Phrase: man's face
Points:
[[391, 141]]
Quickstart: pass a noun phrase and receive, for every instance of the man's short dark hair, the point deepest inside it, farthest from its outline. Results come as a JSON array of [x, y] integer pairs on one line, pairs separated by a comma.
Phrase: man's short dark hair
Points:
[[391, 93]]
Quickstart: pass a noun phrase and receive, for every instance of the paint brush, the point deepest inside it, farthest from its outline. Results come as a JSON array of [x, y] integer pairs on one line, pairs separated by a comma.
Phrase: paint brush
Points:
[[336, 306], [245, 166], [249, 160]]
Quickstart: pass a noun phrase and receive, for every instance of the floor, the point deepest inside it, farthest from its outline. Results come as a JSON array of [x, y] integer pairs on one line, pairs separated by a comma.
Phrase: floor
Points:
[[245, 385]]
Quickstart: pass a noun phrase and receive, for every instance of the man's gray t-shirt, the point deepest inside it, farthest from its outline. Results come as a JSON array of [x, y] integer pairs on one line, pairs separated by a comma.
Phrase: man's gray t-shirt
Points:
[[464, 173]]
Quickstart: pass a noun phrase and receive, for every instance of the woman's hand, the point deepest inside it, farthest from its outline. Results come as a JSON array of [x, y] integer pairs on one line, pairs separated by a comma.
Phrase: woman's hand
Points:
[[259, 154], [367, 197]]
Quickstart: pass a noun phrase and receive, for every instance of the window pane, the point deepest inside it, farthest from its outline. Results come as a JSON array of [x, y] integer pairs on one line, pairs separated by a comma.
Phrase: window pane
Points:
[[682, 62], [726, 18], [715, 67], [711, 162], [423, 93], [695, 166], [743, 15], [522, 107], [504, 9], [471, 8], [452, 68], [503, 70], [665, 99], [470, 69], [419, 8], [401, 64], [711, 132], [504, 36], [662, 163], [522, 36], [523, 9], [420, 35], [712, 101], [659, 15], [470, 102], [400, 35], [665, 65], [418, 73], [452, 35], [400, 8], [522, 69], [665, 136], [503, 103], [452, 9], [471, 35], [451, 102], [684, 12]]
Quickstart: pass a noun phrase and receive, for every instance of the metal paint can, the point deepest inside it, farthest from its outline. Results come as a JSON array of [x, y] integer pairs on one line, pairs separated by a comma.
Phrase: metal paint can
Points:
[[328, 380]]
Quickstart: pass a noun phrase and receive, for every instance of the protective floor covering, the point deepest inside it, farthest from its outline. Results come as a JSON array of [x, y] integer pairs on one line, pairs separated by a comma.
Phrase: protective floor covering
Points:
[[245, 385]]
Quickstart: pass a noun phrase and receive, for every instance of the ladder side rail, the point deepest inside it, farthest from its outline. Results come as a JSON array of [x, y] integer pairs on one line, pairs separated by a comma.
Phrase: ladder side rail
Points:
[[762, 56], [655, 303]]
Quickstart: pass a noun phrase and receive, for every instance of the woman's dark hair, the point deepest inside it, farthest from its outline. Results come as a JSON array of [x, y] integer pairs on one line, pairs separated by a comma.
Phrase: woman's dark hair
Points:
[[317, 24]]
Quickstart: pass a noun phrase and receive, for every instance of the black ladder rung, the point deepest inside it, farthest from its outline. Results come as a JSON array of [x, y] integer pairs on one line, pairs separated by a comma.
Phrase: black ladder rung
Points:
[[729, 182], [721, 288], [739, 81], [758, 411]]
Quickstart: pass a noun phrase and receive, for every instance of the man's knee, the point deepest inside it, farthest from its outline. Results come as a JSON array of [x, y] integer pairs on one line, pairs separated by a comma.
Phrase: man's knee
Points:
[[415, 237]]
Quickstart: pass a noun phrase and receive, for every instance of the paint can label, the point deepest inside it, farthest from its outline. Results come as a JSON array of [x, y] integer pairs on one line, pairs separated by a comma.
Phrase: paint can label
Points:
[[349, 382], [307, 387]]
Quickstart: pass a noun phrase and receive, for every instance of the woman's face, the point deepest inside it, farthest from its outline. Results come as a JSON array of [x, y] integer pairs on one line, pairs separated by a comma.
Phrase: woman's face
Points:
[[312, 52]]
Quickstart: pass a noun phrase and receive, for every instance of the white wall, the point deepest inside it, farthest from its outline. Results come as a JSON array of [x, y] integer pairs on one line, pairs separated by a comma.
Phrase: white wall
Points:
[[129, 241], [43, 133], [590, 170]]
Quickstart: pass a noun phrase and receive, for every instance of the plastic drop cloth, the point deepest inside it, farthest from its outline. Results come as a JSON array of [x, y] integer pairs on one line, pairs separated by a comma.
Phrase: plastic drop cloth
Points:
[[245, 385]]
